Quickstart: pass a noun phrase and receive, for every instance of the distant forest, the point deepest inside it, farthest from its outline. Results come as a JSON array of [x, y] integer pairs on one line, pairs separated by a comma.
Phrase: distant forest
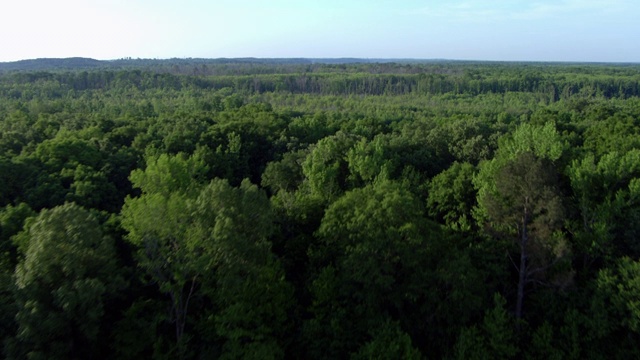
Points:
[[319, 209], [79, 63]]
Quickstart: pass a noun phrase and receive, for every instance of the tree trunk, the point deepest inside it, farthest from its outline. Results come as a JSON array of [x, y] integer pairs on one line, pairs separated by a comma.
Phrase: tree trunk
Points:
[[522, 271], [521, 282]]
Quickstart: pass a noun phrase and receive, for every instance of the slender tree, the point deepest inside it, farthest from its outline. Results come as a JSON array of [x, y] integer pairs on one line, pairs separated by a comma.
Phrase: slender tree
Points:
[[519, 199]]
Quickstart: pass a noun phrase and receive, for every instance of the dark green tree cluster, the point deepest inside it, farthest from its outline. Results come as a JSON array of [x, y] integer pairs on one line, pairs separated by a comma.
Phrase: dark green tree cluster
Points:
[[286, 210]]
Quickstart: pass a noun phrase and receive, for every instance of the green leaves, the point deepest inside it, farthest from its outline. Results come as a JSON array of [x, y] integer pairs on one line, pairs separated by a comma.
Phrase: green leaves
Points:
[[519, 200], [210, 242], [375, 228], [606, 195], [379, 258], [388, 342], [452, 197], [325, 168], [521, 173], [64, 241], [166, 174], [372, 250], [621, 286], [544, 142], [67, 274], [494, 338]]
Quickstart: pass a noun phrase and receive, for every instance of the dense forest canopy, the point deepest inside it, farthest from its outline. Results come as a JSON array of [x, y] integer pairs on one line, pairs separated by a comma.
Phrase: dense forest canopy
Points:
[[300, 208]]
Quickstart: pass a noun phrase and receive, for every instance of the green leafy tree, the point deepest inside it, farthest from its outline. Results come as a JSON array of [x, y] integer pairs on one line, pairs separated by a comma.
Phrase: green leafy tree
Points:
[[367, 263], [12, 220], [8, 181], [612, 131], [607, 195], [158, 223], [326, 168], [452, 197], [379, 257], [158, 226], [519, 199], [367, 159], [68, 274], [543, 344], [527, 206], [388, 342], [244, 278], [612, 324], [286, 174], [493, 339], [210, 242]]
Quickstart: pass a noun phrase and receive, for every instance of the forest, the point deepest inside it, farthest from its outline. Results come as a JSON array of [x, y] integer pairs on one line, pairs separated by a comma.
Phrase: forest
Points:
[[296, 209]]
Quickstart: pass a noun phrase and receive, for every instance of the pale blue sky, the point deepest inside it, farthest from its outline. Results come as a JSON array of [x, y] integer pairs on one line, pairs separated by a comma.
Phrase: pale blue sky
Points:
[[546, 30]]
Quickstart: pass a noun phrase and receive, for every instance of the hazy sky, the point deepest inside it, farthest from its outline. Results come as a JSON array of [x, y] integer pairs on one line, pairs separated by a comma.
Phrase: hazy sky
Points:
[[548, 30]]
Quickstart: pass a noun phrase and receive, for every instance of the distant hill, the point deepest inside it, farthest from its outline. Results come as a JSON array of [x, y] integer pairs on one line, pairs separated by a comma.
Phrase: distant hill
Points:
[[244, 66], [51, 64], [79, 63]]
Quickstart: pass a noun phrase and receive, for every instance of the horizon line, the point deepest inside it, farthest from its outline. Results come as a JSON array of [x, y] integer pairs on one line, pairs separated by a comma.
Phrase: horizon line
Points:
[[350, 58]]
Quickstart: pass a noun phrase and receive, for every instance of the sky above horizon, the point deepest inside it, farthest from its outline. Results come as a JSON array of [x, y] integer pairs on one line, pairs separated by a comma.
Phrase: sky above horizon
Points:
[[506, 30]]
